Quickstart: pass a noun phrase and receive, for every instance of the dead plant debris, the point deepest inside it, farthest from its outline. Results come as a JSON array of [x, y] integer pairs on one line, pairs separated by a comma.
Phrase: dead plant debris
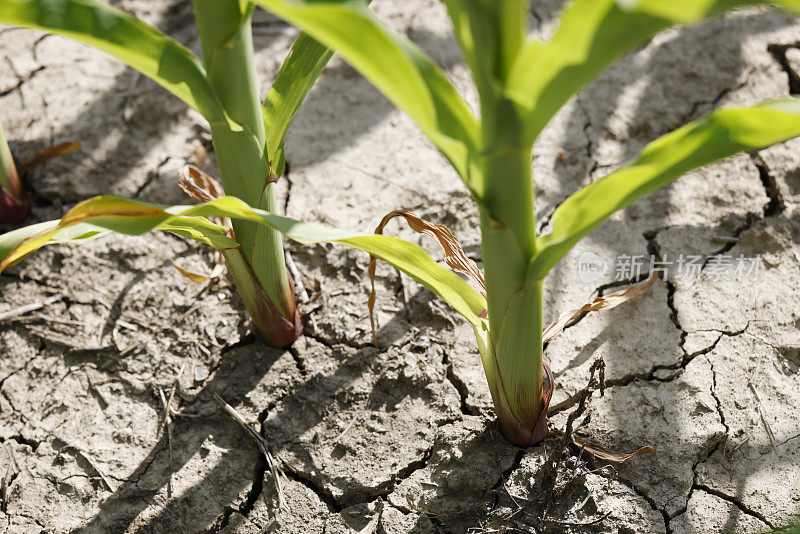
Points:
[[40, 156], [454, 256], [263, 446], [600, 303]]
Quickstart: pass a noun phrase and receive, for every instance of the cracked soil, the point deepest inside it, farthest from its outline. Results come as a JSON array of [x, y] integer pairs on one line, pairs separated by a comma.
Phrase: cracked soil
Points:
[[697, 368]]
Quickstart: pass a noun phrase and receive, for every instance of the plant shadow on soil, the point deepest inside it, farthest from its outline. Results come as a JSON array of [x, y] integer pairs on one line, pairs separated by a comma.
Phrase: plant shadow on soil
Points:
[[238, 373]]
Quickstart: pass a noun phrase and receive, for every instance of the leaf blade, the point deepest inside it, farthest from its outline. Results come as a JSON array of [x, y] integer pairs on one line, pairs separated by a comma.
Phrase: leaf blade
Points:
[[721, 134], [294, 80], [399, 69], [592, 35], [110, 213]]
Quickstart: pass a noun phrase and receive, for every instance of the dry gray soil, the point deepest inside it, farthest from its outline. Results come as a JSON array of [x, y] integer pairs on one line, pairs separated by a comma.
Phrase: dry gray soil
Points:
[[399, 438]]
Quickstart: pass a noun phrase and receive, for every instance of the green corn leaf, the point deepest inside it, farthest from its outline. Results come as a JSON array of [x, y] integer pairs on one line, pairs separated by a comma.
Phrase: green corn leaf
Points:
[[110, 213], [125, 37], [74, 234], [721, 134], [592, 35], [394, 65], [297, 75]]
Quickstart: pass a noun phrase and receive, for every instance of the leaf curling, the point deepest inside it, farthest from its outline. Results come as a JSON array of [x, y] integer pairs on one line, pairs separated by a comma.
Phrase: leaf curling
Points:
[[454, 257]]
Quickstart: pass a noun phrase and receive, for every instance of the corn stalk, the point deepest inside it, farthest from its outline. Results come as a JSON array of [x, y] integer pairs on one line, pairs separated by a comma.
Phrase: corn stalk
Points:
[[522, 82], [249, 149], [257, 267]]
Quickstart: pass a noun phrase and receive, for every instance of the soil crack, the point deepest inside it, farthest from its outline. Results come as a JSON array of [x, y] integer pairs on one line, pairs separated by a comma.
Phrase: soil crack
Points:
[[587, 125], [19, 438], [736, 502], [776, 205], [650, 501], [459, 385], [22, 80], [248, 504], [151, 177], [746, 77], [778, 52], [321, 492], [298, 361]]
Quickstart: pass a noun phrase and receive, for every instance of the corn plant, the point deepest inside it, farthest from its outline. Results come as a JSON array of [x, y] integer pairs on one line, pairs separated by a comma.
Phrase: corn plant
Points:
[[522, 82], [15, 204], [248, 137], [14, 200]]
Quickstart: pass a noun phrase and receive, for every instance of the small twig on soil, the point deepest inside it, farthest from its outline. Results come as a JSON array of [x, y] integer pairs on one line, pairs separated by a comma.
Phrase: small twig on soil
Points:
[[166, 423], [768, 428], [27, 308], [372, 526], [300, 288], [263, 446], [8, 478], [79, 452], [93, 389], [564, 405], [346, 429], [595, 521], [11, 457], [4, 484]]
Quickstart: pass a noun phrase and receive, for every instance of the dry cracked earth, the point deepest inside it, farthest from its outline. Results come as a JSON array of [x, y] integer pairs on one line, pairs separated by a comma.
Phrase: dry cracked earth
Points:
[[399, 438]]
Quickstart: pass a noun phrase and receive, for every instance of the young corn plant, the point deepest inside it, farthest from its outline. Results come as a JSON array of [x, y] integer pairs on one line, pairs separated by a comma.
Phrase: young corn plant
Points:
[[248, 136], [522, 83], [15, 204], [14, 200]]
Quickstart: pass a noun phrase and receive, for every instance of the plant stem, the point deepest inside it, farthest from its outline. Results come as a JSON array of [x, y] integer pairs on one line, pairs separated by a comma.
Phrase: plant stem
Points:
[[515, 303], [14, 201], [260, 274]]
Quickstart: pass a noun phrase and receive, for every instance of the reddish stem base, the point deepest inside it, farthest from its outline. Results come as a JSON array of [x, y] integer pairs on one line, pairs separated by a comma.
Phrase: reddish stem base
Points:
[[12, 209]]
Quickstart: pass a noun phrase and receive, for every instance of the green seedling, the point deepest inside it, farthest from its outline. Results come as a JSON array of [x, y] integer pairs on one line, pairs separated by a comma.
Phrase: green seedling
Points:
[[522, 83], [15, 204], [248, 136]]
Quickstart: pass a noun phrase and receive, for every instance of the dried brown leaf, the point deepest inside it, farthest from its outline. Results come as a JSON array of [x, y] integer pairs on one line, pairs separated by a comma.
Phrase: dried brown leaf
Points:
[[600, 303], [43, 155], [199, 185], [194, 277], [602, 453], [606, 455], [454, 256]]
